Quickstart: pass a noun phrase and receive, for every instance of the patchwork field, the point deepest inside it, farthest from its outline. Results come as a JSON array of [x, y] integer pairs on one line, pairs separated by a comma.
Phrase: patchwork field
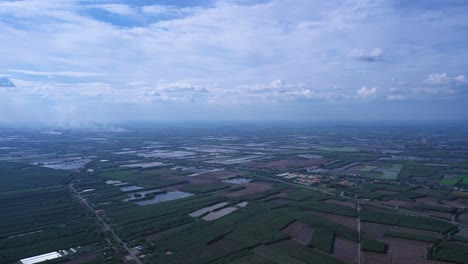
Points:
[[251, 188], [345, 250], [205, 194], [285, 164], [300, 232]]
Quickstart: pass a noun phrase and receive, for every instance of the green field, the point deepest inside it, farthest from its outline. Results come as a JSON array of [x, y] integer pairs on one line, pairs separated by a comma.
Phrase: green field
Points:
[[144, 177], [437, 208], [392, 172], [450, 181], [273, 220], [368, 168], [323, 239], [373, 246], [451, 251], [39, 214], [464, 179], [431, 239]]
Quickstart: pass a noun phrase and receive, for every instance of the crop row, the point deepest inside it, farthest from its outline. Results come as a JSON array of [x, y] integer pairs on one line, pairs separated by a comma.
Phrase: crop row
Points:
[[373, 246], [323, 239]]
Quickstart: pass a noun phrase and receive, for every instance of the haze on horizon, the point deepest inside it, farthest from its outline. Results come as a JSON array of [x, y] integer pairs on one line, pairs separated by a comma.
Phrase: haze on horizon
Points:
[[79, 62]]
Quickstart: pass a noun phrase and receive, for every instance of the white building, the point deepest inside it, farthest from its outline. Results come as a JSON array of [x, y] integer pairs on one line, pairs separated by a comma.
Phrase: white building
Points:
[[41, 258]]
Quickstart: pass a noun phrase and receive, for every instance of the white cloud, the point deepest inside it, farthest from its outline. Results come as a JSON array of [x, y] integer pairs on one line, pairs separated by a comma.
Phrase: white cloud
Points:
[[57, 73], [442, 79], [280, 91], [461, 79], [179, 87], [229, 52], [366, 92], [213, 99], [444, 86], [367, 55]]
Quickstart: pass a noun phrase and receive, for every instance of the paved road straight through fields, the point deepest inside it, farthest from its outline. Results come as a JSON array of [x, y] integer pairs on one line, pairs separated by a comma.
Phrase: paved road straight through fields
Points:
[[106, 226]]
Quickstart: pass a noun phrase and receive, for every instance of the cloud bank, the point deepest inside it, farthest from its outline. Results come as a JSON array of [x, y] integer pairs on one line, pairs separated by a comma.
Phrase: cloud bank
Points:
[[85, 60]]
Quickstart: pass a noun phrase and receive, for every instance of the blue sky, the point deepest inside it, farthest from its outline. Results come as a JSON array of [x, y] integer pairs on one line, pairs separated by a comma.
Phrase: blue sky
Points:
[[75, 62]]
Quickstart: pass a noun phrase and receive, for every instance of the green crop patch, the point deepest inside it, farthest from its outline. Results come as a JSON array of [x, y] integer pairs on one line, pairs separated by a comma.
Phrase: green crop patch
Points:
[[379, 217], [323, 223], [39, 214], [323, 239], [373, 246], [368, 168], [424, 223], [464, 179], [450, 181], [425, 238], [414, 169], [264, 194], [332, 208], [442, 195], [16, 176], [437, 208], [409, 195], [299, 195], [451, 252]]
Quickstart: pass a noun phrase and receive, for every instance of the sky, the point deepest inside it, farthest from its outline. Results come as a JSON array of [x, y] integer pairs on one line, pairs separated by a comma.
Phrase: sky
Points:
[[80, 62]]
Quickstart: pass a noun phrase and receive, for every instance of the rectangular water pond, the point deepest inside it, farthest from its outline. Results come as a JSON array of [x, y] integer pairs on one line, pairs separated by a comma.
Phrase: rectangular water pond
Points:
[[138, 195], [238, 181], [218, 214], [214, 215], [130, 188], [145, 165], [207, 209], [169, 196]]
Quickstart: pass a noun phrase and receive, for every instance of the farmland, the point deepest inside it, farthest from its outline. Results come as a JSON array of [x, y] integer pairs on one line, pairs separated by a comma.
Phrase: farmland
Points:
[[323, 239], [42, 215], [228, 194], [374, 246]]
